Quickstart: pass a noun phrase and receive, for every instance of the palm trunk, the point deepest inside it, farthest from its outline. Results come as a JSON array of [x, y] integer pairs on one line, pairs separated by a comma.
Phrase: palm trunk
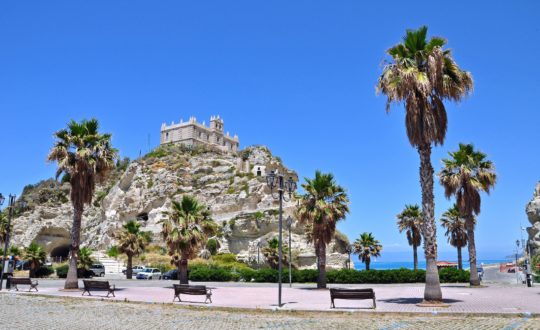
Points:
[[321, 265], [183, 271], [32, 270], [368, 261], [72, 281], [415, 256], [474, 279], [459, 258], [129, 270], [432, 291]]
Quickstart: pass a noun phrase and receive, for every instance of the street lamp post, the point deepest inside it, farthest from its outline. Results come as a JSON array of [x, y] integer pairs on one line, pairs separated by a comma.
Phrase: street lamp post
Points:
[[282, 185], [349, 251], [5, 263], [289, 225], [517, 268]]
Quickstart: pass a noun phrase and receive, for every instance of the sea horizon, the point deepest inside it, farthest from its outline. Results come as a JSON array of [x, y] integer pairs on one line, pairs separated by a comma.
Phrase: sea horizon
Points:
[[382, 265]]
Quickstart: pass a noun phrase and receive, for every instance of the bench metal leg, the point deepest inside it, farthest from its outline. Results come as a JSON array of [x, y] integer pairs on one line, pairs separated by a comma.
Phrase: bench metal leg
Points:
[[89, 294], [332, 305], [111, 292], [208, 297], [177, 296], [374, 304]]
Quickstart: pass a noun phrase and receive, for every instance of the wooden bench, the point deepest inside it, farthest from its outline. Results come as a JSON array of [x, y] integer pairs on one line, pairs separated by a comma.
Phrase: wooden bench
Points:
[[15, 281], [200, 290], [357, 294], [98, 285]]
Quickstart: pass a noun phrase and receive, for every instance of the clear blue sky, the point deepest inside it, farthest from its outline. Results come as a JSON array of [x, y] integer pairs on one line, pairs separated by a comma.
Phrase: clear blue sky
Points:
[[297, 76]]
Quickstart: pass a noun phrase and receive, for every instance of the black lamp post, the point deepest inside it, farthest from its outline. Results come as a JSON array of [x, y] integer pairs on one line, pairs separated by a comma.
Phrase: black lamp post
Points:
[[289, 225], [282, 185], [5, 263], [349, 250], [517, 268]]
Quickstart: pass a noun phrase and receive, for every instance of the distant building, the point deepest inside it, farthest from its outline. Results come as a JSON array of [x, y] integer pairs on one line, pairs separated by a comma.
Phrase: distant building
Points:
[[193, 133]]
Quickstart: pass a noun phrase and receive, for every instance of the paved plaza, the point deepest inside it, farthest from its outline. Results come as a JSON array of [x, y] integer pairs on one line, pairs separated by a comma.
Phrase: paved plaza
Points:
[[492, 299], [44, 312]]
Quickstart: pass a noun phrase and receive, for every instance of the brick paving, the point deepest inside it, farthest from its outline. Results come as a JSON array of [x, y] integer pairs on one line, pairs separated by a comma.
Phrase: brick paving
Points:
[[24, 311]]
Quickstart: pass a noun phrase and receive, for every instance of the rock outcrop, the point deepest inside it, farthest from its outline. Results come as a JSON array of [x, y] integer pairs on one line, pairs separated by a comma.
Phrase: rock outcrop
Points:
[[533, 213], [233, 186]]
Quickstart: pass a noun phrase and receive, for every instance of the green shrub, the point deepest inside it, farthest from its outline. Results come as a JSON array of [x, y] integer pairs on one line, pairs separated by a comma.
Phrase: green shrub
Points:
[[44, 271], [205, 274], [268, 275], [162, 267], [62, 270], [225, 257], [212, 246], [159, 152], [452, 275]]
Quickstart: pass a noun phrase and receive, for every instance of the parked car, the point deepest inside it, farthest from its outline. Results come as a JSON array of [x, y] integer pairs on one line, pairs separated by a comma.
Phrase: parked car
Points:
[[149, 274], [134, 270], [171, 275], [98, 270]]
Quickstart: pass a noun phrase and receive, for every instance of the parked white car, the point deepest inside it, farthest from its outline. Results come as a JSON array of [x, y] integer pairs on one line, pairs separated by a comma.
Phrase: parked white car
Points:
[[135, 270], [149, 274]]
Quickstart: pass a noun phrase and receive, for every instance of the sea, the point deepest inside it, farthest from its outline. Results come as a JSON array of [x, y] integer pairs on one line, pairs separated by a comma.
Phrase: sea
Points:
[[380, 265]]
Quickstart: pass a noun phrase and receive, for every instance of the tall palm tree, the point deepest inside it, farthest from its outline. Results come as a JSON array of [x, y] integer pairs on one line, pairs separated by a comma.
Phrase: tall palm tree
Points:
[[185, 230], [465, 175], [132, 241], [85, 156], [320, 208], [410, 221], [36, 255], [423, 75], [366, 246], [456, 232]]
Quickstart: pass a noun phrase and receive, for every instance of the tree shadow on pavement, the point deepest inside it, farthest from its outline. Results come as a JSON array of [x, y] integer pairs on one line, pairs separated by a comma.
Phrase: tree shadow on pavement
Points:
[[414, 301]]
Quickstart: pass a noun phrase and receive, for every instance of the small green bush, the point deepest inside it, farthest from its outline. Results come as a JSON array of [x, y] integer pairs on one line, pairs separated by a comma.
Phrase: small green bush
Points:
[[44, 271], [212, 246], [205, 274], [452, 275], [62, 270], [225, 257]]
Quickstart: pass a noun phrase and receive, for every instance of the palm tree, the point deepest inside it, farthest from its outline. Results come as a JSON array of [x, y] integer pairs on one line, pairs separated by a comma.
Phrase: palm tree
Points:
[[271, 253], [366, 246], [422, 75], [36, 255], [85, 260], [132, 241], [465, 175], [185, 231], [320, 208], [456, 232], [410, 221], [85, 156]]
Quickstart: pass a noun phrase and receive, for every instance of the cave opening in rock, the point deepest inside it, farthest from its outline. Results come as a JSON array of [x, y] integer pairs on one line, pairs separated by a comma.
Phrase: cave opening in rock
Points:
[[142, 217], [60, 252]]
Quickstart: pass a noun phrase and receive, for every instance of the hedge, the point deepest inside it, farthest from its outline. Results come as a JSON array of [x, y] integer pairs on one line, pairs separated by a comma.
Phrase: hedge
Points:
[[342, 276]]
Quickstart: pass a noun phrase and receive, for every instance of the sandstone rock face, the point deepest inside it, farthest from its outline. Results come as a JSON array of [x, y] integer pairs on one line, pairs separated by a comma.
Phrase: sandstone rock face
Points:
[[240, 202], [533, 213]]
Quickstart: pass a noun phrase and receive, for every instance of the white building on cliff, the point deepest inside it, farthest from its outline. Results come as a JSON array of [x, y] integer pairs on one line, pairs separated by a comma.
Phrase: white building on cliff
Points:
[[194, 133]]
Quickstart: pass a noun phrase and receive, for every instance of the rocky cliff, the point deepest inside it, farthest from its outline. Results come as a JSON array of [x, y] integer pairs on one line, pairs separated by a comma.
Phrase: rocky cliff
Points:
[[533, 213], [233, 186]]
